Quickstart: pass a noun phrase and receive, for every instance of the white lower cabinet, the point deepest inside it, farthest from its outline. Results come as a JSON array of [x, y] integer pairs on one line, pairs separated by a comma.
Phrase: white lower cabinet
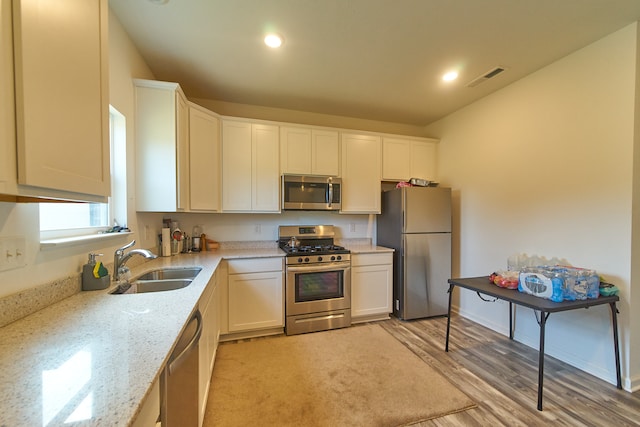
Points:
[[371, 286], [150, 412], [255, 294], [210, 309]]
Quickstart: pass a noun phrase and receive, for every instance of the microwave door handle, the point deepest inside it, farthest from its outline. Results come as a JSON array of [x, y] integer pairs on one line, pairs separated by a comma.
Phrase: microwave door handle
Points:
[[330, 193]]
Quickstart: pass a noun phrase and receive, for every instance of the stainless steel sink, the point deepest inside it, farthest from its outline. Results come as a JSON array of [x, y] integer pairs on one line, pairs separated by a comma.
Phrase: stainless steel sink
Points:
[[171, 273], [160, 280]]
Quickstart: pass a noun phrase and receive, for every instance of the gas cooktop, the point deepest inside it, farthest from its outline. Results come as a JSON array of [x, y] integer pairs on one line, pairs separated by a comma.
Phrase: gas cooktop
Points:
[[306, 240]]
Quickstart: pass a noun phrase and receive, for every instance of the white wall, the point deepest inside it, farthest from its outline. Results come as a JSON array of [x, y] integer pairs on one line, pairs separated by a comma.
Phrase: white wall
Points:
[[545, 166]]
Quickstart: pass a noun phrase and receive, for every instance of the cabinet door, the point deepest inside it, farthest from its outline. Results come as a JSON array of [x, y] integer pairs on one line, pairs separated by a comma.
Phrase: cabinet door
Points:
[[361, 164], [160, 147], [423, 160], [396, 163], [182, 142], [204, 160], [403, 159], [150, 411], [208, 342], [236, 166], [255, 301], [295, 150], [371, 290], [265, 168], [325, 152], [61, 81], [8, 173]]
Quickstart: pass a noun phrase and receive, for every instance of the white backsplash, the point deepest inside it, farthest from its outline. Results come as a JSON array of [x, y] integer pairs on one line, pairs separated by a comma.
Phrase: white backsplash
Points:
[[229, 227]]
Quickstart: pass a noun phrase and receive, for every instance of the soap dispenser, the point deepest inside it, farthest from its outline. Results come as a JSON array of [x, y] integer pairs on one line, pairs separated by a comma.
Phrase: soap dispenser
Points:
[[94, 275]]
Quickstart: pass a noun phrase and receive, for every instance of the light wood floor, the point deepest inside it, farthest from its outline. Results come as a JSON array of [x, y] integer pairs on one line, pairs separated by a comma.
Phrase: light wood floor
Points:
[[501, 376]]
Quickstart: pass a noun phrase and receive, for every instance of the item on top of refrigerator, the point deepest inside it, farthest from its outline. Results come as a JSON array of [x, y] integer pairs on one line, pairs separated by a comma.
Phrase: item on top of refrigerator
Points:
[[505, 279], [419, 182], [403, 184]]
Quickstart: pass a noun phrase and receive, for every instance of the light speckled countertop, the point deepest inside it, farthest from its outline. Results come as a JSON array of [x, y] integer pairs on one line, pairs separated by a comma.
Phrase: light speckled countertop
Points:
[[96, 353], [367, 249]]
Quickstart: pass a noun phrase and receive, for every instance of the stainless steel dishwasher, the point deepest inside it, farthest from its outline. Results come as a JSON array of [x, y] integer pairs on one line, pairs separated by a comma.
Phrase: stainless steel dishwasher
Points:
[[179, 381]]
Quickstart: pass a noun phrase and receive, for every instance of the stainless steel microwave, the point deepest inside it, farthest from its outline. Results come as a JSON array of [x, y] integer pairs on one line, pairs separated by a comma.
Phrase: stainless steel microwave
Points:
[[311, 193]]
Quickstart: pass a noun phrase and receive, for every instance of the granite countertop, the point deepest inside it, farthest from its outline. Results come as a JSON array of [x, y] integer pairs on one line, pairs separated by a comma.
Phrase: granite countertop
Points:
[[367, 249], [93, 357]]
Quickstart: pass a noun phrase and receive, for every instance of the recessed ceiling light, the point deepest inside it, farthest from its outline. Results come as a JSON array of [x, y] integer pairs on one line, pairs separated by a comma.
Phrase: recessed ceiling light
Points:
[[450, 76], [273, 40], [159, 2]]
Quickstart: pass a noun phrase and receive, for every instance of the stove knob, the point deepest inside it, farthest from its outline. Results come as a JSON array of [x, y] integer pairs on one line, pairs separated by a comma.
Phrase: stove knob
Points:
[[299, 259], [333, 257], [319, 258], [339, 257], [306, 259]]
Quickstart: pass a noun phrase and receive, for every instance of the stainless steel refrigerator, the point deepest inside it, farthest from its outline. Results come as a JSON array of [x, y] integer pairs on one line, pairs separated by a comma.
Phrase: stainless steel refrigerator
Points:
[[416, 222]]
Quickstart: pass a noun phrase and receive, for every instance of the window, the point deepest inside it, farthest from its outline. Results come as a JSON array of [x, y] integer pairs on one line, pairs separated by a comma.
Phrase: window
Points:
[[79, 219]]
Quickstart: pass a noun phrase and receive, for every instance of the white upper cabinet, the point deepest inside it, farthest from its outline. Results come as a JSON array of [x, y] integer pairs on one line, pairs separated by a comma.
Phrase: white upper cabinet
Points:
[[361, 164], [58, 64], [8, 172], [204, 159], [265, 168], [404, 158], [295, 150], [250, 167], [162, 150], [307, 151], [325, 152]]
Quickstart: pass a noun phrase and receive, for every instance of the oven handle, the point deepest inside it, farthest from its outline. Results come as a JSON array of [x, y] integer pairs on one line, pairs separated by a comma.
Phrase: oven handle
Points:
[[307, 268]]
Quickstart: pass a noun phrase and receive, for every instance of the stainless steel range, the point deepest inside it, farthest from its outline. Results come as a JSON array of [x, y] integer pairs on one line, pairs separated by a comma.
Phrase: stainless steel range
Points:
[[318, 279]]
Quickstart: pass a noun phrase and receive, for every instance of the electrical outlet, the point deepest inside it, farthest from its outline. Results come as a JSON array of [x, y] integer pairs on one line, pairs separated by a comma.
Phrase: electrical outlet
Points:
[[147, 231], [258, 229], [352, 227]]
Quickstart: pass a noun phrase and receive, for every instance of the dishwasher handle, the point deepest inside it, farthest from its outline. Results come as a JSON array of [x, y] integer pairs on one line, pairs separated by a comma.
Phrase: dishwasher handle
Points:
[[176, 361]]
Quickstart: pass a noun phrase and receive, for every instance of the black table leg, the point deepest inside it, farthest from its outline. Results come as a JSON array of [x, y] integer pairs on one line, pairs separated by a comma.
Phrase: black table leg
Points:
[[543, 319], [616, 345], [510, 320], [446, 346]]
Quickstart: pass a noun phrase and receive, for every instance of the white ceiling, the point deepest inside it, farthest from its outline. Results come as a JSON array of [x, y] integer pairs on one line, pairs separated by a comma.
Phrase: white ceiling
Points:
[[369, 59]]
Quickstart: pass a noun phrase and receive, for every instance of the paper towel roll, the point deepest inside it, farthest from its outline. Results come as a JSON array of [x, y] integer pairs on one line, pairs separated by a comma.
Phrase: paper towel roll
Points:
[[166, 242]]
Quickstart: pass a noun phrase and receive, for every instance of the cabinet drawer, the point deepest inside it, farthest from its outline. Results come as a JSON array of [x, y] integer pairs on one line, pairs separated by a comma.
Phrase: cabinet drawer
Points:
[[254, 265], [371, 259]]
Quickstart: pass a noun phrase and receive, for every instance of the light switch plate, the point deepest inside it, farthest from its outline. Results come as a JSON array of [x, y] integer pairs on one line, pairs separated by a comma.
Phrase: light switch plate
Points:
[[13, 253]]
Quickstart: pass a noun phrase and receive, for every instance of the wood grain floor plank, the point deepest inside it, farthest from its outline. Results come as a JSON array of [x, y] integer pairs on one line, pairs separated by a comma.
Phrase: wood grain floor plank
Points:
[[501, 375]]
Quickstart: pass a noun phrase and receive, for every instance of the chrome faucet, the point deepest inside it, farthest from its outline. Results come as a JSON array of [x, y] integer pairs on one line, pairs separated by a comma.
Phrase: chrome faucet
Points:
[[120, 258]]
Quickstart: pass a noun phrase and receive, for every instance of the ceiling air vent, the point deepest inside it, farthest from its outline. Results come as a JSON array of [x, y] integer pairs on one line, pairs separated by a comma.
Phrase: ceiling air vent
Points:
[[485, 76]]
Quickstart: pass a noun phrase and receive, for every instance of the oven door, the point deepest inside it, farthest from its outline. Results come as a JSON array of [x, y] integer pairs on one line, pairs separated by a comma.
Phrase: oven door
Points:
[[318, 288]]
